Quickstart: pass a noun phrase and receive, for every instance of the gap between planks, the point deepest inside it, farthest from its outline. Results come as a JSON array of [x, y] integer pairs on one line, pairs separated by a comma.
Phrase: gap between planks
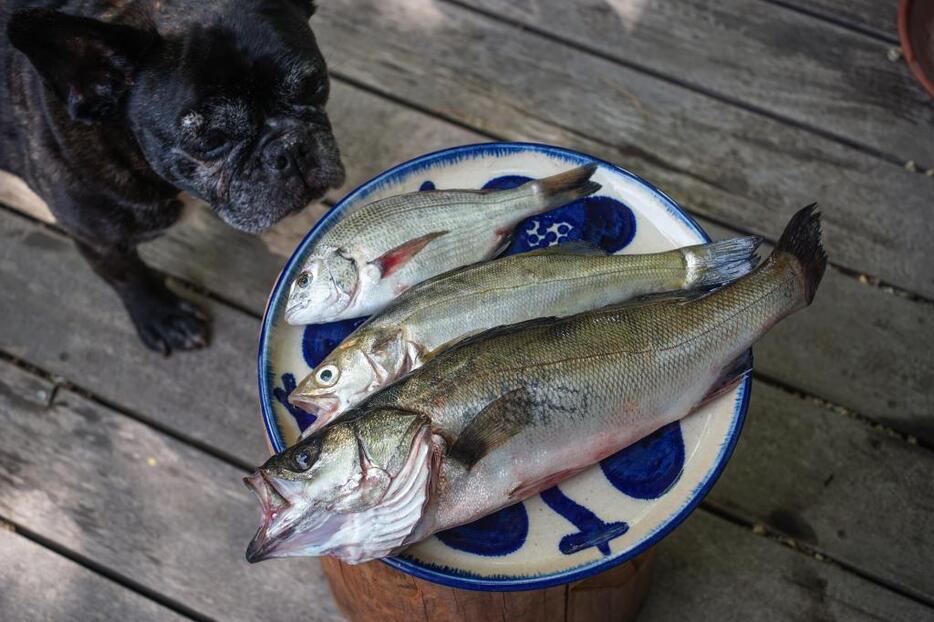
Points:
[[103, 571], [705, 506], [697, 88], [840, 22], [769, 533]]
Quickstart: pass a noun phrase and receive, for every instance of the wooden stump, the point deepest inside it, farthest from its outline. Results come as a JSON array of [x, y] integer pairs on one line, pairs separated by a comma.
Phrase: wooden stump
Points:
[[374, 591]]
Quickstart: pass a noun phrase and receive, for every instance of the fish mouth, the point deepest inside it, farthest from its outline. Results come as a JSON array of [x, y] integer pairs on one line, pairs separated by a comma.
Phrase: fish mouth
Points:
[[293, 313], [272, 505], [290, 530], [321, 406]]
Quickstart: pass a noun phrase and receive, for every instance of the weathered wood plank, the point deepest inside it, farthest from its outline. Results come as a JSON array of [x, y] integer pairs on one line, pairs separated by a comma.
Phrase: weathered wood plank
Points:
[[837, 485], [145, 505], [59, 316], [718, 160], [712, 570], [871, 15], [41, 585], [758, 53], [175, 520]]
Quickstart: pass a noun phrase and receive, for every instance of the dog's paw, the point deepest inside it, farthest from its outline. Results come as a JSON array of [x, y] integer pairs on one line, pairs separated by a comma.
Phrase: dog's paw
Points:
[[171, 324]]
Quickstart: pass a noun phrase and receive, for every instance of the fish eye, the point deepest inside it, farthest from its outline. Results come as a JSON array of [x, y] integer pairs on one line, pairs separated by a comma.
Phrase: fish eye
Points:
[[303, 459], [303, 279], [327, 375]]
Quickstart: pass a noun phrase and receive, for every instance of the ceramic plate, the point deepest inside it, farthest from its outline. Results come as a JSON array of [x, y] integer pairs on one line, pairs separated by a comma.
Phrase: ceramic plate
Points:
[[603, 516]]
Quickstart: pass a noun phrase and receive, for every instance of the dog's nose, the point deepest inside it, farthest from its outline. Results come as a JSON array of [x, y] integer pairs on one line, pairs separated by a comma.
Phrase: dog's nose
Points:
[[288, 154]]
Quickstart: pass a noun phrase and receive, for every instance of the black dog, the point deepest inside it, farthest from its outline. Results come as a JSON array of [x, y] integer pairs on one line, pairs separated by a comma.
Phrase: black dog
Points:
[[109, 108]]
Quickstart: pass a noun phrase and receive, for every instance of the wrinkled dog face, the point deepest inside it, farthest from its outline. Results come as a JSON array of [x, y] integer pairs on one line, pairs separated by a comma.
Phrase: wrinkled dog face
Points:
[[232, 110]]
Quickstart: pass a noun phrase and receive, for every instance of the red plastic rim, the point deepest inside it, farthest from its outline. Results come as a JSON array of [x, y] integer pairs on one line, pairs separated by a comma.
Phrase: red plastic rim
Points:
[[916, 34]]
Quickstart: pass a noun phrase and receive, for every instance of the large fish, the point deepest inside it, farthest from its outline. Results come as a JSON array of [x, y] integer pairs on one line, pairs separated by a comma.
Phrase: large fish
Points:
[[513, 411], [557, 281], [381, 249]]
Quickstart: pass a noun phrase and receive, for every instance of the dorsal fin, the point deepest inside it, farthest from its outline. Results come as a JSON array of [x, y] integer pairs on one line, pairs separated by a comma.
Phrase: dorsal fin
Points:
[[576, 247]]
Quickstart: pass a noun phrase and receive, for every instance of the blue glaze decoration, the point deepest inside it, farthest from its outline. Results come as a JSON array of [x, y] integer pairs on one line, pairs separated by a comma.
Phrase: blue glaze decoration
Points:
[[318, 340], [505, 182], [602, 221], [302, 418], [648, 468], [500, 533], [593, 531], [428, 185]]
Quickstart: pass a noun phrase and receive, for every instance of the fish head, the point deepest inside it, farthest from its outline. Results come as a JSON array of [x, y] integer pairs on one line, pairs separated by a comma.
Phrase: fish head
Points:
[[359, 366], [326, 287], [354, 490]]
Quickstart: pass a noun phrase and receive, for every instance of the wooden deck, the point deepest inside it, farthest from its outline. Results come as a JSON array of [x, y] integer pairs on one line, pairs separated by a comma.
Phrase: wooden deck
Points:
[[119, 492]]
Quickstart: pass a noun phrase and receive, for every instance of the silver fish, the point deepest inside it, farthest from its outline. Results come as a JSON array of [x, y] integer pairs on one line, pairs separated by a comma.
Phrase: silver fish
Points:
[[508, 413], [381, 249], [558, 281]]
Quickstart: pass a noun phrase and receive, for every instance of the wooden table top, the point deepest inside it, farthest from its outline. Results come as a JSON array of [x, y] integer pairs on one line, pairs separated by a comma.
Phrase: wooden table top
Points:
[[119, 490]]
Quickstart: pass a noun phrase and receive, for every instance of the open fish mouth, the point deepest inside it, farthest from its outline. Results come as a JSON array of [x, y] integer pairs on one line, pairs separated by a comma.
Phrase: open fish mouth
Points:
[[290, 530], [319, 406]]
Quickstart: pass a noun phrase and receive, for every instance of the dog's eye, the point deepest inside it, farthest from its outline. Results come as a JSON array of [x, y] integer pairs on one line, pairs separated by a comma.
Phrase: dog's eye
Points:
[[314, 92], [213, 140]]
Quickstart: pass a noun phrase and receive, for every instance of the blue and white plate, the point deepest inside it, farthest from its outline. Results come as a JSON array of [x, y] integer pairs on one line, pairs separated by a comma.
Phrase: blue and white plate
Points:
[[598, 519]]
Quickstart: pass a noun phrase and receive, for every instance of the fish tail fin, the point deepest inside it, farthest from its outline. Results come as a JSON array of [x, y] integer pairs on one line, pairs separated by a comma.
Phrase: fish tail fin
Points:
[[710, 265], [802, 241], [563, 188]]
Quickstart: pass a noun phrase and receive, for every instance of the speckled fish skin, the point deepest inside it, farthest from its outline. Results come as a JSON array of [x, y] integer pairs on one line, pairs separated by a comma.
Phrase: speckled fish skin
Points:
[[557, 281], [516, 410], [379, 250]]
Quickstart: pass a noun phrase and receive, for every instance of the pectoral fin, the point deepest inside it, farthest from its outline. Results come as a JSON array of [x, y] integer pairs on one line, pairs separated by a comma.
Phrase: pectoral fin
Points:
[[498, 422], [394, 259], [735, 371]]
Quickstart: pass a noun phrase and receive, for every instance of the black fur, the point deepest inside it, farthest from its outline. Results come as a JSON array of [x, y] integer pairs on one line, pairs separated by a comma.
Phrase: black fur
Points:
[[108, 108]]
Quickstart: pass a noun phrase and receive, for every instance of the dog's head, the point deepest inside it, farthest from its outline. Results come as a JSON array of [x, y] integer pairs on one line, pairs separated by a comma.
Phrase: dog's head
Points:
[[226, 98]]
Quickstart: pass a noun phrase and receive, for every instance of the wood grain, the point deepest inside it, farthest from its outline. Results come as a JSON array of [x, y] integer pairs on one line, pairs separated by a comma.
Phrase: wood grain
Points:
[[145, 505], [836, 485], [38, 584], [760, 54], [712, 570], [718, 160], [874, 16], [58, 315], [374, 591]]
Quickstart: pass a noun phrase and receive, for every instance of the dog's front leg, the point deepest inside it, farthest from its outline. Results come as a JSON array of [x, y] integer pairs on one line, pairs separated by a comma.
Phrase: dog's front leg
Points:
[[164, 321]]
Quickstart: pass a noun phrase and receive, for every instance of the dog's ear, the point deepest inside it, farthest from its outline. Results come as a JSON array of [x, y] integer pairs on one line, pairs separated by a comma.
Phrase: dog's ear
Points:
[[90, 64], [306, 6]]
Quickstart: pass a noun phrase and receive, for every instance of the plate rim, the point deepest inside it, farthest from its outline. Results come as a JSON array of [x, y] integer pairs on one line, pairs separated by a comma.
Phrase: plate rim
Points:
[[458, 578]]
